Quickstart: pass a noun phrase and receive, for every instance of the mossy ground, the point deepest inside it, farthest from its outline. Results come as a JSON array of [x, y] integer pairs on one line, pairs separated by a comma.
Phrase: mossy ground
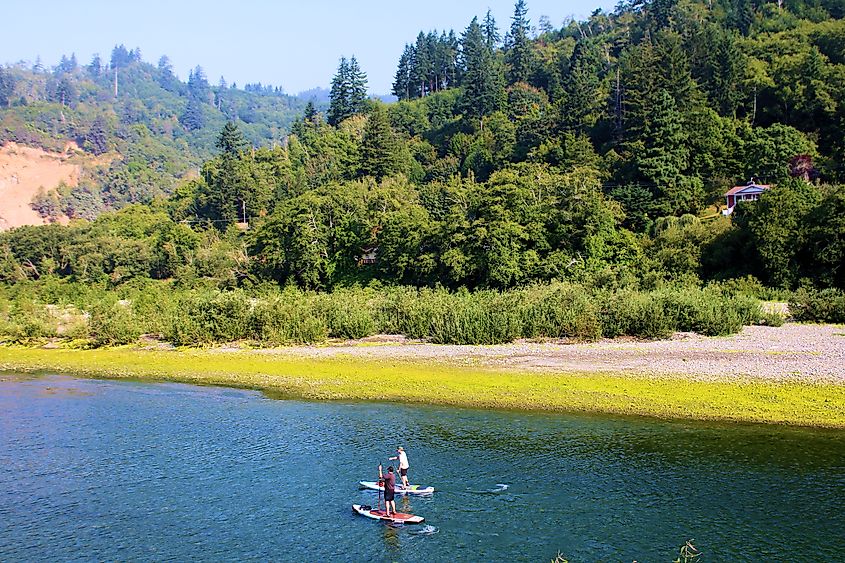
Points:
[[440, 383]]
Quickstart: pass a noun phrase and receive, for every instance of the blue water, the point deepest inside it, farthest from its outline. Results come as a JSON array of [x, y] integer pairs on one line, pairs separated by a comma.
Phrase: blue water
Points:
[[102, 470]]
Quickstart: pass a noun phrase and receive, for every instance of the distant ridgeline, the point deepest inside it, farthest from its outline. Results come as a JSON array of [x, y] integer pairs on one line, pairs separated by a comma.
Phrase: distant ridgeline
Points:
[[598, 152], [150, 128]]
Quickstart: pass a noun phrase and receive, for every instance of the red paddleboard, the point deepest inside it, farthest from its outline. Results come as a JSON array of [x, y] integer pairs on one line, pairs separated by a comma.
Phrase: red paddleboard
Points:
[[378, 514]]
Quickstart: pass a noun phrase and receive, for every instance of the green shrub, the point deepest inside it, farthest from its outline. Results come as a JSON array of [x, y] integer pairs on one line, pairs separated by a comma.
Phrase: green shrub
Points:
[[287, 318], [825, 306], [113, 323]]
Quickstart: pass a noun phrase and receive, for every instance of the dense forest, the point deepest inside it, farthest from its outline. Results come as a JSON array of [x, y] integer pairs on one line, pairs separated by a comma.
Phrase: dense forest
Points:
[[596, 154], [147, 129]]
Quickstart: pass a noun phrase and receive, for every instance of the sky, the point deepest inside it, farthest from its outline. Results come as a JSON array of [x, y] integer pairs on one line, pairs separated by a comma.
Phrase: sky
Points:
[[293, 44]]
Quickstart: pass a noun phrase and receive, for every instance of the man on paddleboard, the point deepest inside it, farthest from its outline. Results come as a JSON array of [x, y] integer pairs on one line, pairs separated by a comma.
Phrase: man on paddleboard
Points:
[[403, 465], [389, 481]]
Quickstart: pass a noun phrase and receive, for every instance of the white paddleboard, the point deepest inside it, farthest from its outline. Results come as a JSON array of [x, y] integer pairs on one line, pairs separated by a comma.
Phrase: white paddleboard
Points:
[[412, 490], [377, 514]]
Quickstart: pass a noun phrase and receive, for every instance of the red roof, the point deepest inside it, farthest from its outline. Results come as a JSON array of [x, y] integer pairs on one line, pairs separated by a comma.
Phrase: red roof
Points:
[[737, 189]]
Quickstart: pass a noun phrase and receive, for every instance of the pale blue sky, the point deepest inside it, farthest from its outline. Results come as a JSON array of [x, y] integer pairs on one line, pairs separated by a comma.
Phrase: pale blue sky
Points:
[[294, 44]]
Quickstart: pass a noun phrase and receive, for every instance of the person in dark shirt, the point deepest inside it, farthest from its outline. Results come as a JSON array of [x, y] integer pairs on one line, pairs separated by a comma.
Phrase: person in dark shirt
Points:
[[389, 482]]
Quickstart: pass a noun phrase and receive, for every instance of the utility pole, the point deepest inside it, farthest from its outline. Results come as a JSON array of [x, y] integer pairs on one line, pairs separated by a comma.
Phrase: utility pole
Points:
[[115, 82]]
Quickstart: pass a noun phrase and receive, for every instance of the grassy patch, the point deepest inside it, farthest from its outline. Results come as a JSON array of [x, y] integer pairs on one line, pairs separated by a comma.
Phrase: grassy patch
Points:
[[346, 378]]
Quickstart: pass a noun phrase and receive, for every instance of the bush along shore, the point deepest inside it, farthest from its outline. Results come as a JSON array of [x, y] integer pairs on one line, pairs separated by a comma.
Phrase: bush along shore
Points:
[[87, 316]]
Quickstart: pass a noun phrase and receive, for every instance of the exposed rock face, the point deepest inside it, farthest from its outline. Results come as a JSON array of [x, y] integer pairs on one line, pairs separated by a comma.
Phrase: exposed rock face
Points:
[[23, 172]]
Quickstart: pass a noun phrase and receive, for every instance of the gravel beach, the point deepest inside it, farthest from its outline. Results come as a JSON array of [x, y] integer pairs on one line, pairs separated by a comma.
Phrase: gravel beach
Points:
[[793, 352]]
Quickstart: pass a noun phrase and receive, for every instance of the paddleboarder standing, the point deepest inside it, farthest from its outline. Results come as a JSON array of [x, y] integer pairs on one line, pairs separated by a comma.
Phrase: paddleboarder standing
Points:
[[389, 481], [403, 465]]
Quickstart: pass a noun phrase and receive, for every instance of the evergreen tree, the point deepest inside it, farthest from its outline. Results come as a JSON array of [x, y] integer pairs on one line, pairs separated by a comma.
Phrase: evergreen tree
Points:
[[379, 147], [95, 67], [7, 87], [348, 94], [491, 32], [192, 118], [310, 113], [402, 79], [198, 87], [482, 77], [357, 87], [231, 141], [96, 140], [519, 55], [423, 65], [66, 92], [582, 100]]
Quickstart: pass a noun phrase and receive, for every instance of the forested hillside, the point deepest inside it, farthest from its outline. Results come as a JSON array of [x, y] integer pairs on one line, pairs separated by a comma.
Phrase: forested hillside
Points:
[[151, 129], [597, 153]]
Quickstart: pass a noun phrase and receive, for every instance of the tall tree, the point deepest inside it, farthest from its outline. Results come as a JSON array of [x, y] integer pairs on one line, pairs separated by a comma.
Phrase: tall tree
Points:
[[357, 87], [339, 95], [348, 94], [484, 90], [519, 55], [379, 147], [7, 87], [491, 32], [231, 141], [583, 100], [402, 79]]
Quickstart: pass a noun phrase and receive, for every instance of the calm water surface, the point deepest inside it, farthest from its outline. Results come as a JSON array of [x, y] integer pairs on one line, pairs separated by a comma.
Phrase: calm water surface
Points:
[[103, 470]]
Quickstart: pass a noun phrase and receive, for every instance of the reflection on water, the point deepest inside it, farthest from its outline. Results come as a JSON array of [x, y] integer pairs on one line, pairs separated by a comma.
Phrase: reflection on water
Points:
[[100, 470]]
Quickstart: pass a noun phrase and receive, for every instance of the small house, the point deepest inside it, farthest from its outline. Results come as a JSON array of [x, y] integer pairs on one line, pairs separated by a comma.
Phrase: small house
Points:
[[368, 255], [749, 192]]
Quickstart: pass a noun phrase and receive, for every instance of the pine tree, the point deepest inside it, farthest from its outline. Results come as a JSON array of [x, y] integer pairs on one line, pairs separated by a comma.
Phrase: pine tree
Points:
[[7, 87], [421, 70], [357, 87], [192, 118], [582, 101], [339, 94], [310, 114], [402, 79], [348, 95], [482, 78], [379, 148], [491, 32], [520, 51], [231, 141], [96, 140]]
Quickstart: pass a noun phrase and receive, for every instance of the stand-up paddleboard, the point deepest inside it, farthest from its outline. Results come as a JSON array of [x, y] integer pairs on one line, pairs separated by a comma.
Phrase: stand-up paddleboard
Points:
[[412, 490], [378, 514]]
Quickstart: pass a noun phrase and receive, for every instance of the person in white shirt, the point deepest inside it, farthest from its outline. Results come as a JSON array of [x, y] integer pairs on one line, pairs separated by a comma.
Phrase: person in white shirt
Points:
[[403, 465]]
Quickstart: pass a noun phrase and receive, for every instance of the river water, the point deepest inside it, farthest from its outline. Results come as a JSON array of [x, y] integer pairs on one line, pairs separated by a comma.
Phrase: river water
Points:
[[105, 470]]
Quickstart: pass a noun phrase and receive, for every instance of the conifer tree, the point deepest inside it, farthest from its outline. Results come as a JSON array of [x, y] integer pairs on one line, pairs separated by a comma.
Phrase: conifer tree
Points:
[[402, 79], [357, 87], [482, 77], [231, 141], [379, 148], [339, 94], [491, 32], [96, 140], [348, 95], [582, 101], [520, 51]]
